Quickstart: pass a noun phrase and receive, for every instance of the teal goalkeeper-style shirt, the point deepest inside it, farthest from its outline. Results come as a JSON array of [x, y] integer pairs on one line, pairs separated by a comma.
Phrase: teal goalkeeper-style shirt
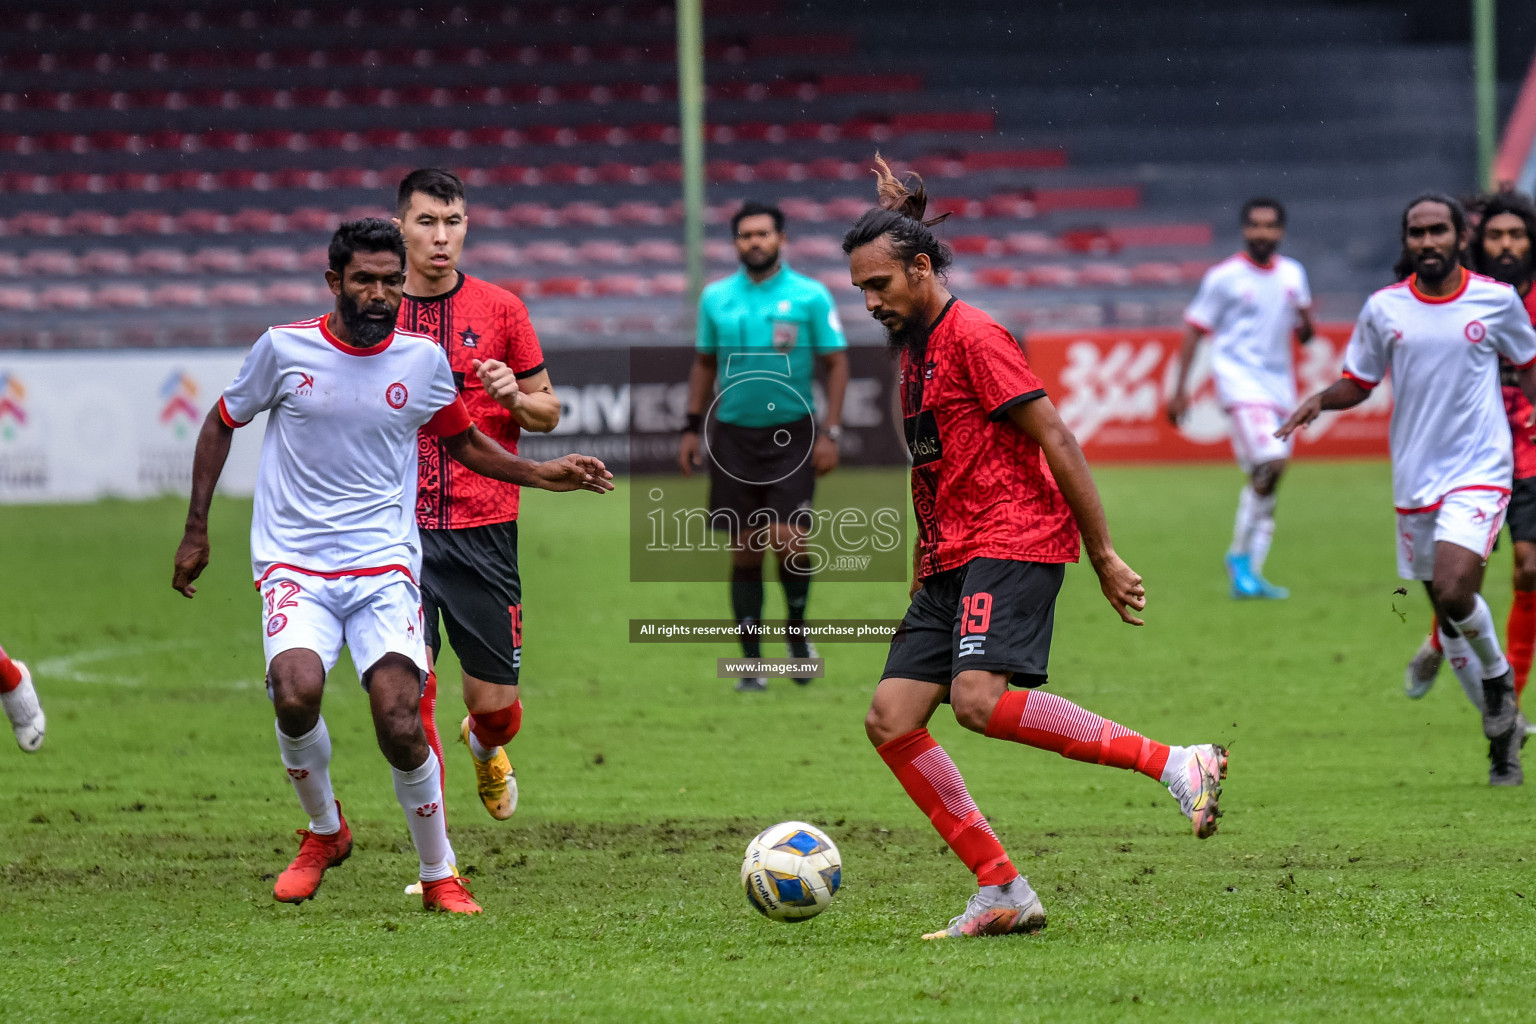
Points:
[[766, 338]]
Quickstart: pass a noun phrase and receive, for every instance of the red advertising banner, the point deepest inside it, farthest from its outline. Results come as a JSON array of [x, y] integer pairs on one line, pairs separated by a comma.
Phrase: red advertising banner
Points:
[[1112, 387]]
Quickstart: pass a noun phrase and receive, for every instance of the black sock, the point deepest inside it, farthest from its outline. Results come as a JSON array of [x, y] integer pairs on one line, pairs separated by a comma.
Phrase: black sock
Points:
[[797, 591], [747, 603]]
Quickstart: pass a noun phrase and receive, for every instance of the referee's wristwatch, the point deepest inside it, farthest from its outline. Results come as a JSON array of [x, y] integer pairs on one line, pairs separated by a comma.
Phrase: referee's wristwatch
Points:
[[833, 433]]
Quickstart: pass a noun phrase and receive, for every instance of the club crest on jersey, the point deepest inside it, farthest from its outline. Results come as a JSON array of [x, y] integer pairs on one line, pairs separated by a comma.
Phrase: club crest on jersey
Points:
[[396, 395], [469, 338], [306, 384], [1475, 331], [276, 623]]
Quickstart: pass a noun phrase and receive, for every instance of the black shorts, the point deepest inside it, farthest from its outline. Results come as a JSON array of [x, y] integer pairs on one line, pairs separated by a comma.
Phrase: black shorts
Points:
[[989, 614], [470, 576], [1521, 515], [759, 475]]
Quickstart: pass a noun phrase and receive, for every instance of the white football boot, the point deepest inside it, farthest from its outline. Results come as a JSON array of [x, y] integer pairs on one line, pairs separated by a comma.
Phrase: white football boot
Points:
[[25, 713], [1422, 669], [1005, 910]]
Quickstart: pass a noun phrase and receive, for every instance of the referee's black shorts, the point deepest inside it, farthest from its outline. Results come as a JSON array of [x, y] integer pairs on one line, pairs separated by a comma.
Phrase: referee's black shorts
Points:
[[990, 614], [759, 474], [469, 576]]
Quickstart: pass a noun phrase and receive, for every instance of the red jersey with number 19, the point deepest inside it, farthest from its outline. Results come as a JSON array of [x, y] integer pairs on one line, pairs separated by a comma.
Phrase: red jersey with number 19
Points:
[[1518, 408], [980, 486], [476, 320]]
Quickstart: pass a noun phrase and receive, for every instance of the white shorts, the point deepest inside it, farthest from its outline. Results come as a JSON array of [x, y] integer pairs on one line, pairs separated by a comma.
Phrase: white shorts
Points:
[[371, 615], [1468, 518], [1253, 435]]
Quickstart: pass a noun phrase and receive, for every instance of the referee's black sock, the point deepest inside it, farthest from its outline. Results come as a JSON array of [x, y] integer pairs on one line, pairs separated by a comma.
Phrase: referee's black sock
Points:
[[747, 604], [797, 591]]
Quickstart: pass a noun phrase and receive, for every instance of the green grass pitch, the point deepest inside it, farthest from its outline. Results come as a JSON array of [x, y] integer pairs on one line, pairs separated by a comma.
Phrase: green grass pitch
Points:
[[1364, 869]]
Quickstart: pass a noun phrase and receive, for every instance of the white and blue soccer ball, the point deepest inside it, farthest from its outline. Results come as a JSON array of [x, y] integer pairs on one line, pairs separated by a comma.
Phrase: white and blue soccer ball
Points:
[[791, 871]]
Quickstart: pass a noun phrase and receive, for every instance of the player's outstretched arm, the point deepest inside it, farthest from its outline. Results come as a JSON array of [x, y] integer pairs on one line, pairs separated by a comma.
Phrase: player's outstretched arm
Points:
[[1341, 394], [482, 455], [207, 464], [1120, 583]]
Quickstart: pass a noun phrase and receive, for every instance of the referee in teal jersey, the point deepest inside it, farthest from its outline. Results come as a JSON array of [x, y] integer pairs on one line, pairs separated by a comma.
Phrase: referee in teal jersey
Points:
[[760, 333]]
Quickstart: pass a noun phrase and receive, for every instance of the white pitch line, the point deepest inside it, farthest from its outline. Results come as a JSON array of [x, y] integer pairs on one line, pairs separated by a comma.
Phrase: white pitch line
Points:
[[71, 667]]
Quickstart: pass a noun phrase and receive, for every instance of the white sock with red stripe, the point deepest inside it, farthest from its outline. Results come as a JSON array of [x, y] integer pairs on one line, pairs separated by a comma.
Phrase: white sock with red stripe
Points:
[[308, 760], [1464, 663], [1242, 525], [1262, 531], [420, 792], [1483, 635]]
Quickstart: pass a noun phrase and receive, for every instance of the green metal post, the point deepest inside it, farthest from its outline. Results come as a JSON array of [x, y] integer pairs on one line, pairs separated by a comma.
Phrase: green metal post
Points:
[[1485, 73], [690, 101]]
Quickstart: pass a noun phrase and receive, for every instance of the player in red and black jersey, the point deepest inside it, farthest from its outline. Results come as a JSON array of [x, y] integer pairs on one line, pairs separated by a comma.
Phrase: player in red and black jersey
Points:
[[468, 522], [1002, 494], [1501, 248]]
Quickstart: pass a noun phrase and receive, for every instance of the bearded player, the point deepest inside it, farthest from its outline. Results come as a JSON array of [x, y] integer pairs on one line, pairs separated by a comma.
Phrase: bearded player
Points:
[[995, 528], [1501, 249], [1249, 305], [469, 522], [19, 699], [334, 545], [1441, 333]]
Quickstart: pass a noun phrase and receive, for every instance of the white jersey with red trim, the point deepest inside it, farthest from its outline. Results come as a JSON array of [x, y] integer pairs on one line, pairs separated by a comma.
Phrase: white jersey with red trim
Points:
[[1448, 430], [1250, 312], [336, 485]]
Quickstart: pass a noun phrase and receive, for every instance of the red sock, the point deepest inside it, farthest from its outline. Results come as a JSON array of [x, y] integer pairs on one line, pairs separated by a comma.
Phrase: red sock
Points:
[[496, 728], [932, 781], [10, 675], [429, 721], [1044, 720], [1520, 637], [1434, 633]]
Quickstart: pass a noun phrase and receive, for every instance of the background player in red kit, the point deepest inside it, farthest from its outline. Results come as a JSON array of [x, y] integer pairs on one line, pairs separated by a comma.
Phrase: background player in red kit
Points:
[[1501, 248], [995, 527], [469, 523]]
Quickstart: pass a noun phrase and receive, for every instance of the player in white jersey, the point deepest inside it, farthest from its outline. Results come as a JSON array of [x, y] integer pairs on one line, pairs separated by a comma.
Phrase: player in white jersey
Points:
[[334, 547], [1440, 334], [1249, 305]]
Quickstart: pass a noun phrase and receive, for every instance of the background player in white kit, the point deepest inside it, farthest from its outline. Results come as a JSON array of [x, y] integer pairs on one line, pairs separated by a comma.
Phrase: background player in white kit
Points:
[[1440, 334], [1248, 305], [334, 543]]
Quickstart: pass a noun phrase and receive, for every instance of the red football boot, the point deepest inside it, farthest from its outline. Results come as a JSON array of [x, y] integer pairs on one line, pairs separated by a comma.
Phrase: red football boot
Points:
[[449, 896], [301, 879]]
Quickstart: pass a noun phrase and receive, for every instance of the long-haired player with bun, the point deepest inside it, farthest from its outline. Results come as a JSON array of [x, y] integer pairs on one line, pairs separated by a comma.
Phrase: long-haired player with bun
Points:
[[1004, 498]]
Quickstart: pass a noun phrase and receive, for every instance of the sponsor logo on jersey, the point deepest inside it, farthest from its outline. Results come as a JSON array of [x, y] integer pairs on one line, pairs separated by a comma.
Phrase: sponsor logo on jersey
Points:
[[923, 438], [276, 623], [1475, 331], [469, 338], [395, 395], [972, 645], [306, 384]]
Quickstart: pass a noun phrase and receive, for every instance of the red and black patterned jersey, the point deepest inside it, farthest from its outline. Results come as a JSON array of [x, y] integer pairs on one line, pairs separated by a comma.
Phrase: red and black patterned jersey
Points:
[[980, 485], [1518, 408], [476, 320]]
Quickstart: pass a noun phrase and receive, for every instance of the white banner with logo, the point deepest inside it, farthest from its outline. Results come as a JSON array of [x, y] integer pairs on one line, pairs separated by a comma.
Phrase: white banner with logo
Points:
[[76, 426]]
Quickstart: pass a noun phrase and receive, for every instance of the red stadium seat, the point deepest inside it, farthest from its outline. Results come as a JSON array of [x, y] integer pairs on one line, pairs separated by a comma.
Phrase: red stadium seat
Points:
[[122, 296], [653, 251], [503, 137], [585, 214], [312, 218], [1031, 243], [36, 222], [116, 141], [352, 177], [293, 292], [105, 261], [90, 222], [640, 213], [669, 284], [1162, 235], [603, 250], [998, 277], [202, 222], [235, 293], [69, 297], [1089, 240], [298, 177], [615, 173], [150, 262], [218, 260], [1008, 205], [815, 247], [803, 210], [1193, 270], [180, 294], [254, 220], [564, 287], [1050, 276], [49, 263], [10, 266], [832, 169], [848, 208], [519, 286], [549, 252], [17, 300], [718, 250], [1157, 273], [1103, 275], [780, 170], [272, 259], [492, 254], [622, 285], [316, 258], [532, 215]]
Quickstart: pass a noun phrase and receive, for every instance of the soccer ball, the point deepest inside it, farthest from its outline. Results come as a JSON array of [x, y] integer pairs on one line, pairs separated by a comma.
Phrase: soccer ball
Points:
[[791, 871]]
